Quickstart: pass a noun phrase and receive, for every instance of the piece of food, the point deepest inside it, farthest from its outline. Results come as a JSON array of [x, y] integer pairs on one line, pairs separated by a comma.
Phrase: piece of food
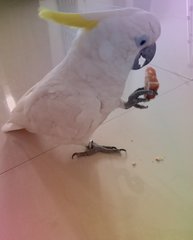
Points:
[[151, 82]]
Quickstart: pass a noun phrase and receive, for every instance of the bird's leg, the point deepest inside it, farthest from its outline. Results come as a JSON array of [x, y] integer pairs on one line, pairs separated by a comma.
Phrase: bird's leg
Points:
[[93, 148], [134, 99]]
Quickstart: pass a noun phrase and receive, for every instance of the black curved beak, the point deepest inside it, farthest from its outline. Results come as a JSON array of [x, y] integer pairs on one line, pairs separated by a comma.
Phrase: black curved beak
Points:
[[147, 53]]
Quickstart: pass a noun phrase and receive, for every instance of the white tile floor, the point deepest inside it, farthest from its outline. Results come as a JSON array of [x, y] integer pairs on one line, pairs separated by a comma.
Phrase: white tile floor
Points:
[[44, 194]]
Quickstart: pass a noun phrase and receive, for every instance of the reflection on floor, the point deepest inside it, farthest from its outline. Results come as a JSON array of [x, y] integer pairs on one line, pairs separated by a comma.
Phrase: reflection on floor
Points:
[[44, 194]]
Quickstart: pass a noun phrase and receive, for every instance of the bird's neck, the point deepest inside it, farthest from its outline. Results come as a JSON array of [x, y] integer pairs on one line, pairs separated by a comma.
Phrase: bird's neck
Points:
[[99, 62]]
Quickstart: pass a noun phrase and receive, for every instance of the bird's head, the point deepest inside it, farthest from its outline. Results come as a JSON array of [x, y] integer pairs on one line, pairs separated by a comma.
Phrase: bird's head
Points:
[[133, 31]]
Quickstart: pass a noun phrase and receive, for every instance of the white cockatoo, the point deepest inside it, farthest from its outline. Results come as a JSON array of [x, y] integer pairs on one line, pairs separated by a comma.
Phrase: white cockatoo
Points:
[[72, 100]]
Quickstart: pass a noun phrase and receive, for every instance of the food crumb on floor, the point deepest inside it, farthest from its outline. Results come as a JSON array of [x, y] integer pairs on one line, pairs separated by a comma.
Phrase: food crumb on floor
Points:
[[134, 164], [159, 159]]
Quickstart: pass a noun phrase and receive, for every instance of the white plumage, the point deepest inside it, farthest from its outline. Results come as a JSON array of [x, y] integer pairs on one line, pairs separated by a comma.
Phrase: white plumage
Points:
[[73, 99]]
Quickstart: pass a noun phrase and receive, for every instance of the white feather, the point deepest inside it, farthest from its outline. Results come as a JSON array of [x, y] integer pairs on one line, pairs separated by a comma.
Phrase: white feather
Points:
[[73, 99]]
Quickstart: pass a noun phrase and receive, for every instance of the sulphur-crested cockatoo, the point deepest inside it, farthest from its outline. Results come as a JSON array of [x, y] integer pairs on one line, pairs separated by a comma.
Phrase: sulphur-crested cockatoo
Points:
[[72, 100]]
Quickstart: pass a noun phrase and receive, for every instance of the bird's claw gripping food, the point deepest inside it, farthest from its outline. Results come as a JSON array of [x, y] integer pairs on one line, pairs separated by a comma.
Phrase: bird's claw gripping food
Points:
[[149, 91]]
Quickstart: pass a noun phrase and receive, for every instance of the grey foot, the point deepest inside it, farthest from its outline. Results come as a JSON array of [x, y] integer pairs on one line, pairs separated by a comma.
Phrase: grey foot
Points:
[[94, 148], [134, 99]]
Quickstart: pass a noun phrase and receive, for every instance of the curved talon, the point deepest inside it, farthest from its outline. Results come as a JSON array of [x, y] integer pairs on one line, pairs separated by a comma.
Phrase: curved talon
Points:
[[139, 92], [76, 155], [122, 150], [83, 154]]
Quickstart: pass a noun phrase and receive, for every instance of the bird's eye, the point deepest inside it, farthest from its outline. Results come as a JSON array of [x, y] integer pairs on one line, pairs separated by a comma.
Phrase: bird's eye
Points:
[[140, 41]]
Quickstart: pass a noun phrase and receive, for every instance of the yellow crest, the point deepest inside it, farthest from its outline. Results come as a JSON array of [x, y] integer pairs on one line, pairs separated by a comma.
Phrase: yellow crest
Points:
[[68, 19]]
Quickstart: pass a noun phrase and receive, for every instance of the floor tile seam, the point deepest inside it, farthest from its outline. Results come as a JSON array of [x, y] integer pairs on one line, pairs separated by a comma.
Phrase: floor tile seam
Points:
[[173, 72], [27, 161]]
